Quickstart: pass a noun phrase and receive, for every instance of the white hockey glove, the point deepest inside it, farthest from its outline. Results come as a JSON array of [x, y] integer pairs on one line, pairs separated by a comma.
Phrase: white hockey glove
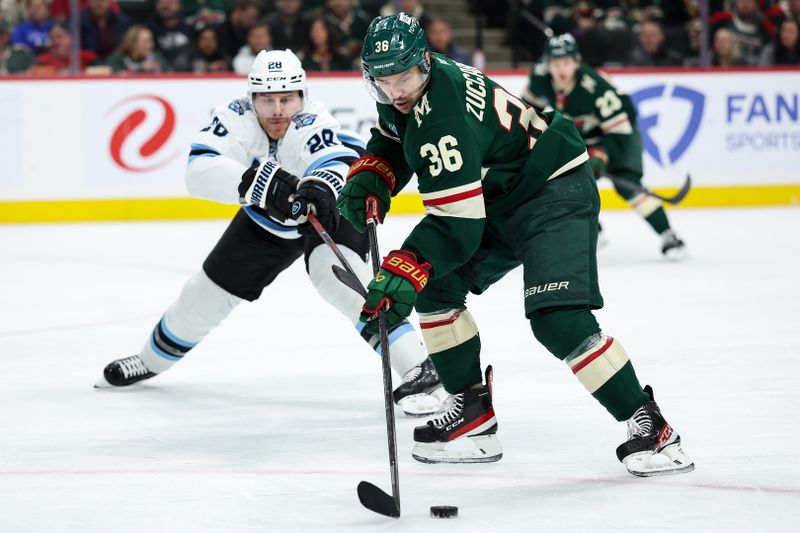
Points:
[[269, 187]]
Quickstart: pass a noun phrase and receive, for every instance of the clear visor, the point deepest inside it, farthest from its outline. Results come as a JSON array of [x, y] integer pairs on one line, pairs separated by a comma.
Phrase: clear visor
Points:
[[397, 88]]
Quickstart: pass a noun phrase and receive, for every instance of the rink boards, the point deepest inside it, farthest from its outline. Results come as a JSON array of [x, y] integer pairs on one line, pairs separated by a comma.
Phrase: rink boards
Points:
[[116, 148]]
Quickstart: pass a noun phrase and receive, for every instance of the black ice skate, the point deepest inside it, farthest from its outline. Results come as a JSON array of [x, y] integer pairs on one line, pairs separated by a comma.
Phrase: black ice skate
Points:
[[421, 392], [464, 431], [653, 448], [124, 372], [672, 247]]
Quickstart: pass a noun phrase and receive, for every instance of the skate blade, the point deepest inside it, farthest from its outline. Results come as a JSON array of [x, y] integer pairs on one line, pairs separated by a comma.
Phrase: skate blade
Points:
[[670, 460], [423, 404], [478, 449], [676, 254]]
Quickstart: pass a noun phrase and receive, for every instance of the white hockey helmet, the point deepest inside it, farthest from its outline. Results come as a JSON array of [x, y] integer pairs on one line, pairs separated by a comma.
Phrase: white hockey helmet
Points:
[[276, 71]]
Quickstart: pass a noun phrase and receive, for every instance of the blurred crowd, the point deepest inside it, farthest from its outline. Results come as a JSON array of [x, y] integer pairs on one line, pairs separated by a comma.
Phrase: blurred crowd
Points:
[[661, 33], [154, 36]]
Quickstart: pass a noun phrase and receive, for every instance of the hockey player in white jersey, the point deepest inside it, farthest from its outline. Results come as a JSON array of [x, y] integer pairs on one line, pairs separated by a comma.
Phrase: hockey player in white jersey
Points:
[[263, 152]]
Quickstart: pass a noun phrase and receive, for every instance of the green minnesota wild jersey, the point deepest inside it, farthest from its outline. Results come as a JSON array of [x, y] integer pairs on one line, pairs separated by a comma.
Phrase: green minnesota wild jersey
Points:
[[477, 151], [605, 117]]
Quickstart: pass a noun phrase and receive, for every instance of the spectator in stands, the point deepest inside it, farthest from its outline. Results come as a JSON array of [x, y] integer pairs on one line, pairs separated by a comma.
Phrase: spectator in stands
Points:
[[101, 28], [57, 58], [413, 7], [208, 55], [609, 14], [201, 13], [287, 25], [137, 53], [603, 33], [12, 11], [440, 39], [173, 37], [651, 51], [321, 50], [785, 49], [726, 51], [350, 23], [14, 59], [34, 31], [749, 26], [693, 38], [783, 10], [641, 10], [233, 33], [59, 9], [258, 39]]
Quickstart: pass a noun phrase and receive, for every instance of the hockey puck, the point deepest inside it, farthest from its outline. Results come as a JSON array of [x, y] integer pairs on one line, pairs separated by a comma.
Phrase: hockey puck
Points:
[[444, 511]]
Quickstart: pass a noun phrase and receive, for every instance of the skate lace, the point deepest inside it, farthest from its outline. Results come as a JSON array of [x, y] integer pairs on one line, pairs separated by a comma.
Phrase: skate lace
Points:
[[640, 424], [449, 411], [133, 366], [412, 374]]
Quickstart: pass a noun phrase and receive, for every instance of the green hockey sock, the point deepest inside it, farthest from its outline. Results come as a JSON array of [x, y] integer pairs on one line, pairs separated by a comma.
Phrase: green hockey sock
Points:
[[459, 367], [658, 220]]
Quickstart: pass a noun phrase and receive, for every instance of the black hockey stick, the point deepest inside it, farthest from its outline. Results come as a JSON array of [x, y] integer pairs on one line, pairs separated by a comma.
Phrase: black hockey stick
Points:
[[635, 187], [536, 22], [371, 496], [346, 275]]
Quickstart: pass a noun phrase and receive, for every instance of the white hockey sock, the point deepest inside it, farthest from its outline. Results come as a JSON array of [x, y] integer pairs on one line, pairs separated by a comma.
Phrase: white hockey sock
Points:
[[201, 306], [406, 347]]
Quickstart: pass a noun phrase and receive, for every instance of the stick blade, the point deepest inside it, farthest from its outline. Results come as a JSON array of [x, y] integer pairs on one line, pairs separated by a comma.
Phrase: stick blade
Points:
[[683, 191], [377, 501], [349, 279]]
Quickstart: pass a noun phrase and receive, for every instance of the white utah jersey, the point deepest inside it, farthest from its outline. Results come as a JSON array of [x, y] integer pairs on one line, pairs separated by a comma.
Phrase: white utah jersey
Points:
[[314, 147]]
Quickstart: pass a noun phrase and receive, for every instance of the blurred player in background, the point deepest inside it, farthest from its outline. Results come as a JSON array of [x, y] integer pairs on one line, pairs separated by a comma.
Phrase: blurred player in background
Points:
[[606, 119], [263, 152]]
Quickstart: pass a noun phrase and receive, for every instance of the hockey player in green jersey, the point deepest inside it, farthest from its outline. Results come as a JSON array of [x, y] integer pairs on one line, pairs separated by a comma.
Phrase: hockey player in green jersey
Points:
[[502, 185], [606, 120]]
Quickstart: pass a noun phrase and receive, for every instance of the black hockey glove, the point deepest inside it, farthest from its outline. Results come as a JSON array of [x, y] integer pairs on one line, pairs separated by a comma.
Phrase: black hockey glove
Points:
[[320, 195], [269, 187]]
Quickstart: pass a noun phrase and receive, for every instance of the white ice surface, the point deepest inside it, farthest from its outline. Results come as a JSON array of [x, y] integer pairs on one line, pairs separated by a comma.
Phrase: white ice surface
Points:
[[271, 422]]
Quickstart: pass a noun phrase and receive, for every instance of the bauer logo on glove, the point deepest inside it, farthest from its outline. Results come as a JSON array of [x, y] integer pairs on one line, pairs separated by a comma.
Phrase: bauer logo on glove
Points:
[[395, 287], [400, 265]]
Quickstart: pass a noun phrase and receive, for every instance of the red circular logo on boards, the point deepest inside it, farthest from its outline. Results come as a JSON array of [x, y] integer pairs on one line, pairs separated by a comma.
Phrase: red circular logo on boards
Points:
[[138, 142]]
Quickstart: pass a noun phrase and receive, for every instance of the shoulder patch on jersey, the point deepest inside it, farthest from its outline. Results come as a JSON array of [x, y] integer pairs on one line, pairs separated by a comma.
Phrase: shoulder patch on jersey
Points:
[[303, 119], [588, 83], [239, 106]]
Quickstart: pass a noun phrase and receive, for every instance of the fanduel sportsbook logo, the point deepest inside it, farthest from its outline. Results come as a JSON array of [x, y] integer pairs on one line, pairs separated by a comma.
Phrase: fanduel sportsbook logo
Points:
[[668, 154], [145, 125]]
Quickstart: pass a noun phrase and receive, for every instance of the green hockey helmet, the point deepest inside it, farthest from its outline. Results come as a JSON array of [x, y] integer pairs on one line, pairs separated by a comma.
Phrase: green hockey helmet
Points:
[[393, 45], [563, 45]]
